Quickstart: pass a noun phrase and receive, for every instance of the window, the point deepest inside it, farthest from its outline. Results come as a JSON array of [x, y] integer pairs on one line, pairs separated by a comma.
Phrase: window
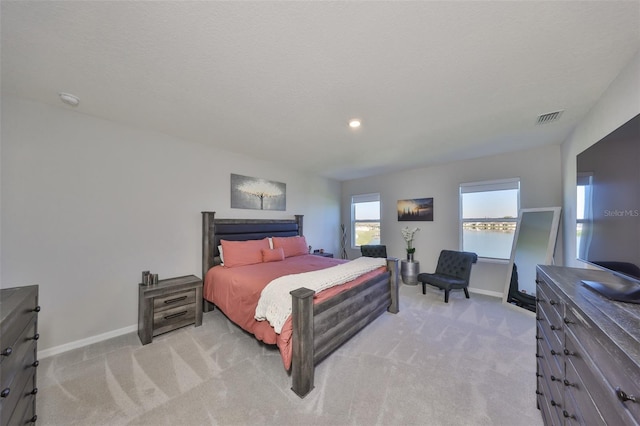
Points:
[[583, 213], [365, 220], [488, 217]]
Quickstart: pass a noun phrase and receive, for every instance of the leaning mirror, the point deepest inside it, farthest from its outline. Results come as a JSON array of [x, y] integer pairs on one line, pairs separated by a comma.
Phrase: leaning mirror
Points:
[[534, 244]]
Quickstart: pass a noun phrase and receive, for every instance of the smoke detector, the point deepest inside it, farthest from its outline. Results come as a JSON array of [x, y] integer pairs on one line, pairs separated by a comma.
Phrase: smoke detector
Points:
[[69, 99]]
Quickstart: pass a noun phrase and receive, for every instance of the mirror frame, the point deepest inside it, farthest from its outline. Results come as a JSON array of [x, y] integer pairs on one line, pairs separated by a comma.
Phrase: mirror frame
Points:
[[551, 244]]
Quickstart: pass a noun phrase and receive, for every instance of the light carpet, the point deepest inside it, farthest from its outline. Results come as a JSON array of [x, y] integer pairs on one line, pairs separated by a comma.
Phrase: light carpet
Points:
[[468, 362]]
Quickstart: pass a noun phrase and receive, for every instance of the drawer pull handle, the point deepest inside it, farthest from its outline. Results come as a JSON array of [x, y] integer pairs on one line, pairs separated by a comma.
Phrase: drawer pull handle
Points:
[[539, 338], [8, 351], [568, 321], [623, 396], [540, 300], [554, 328], [539, 375], [179, 314], [37, 309], [567, 352], [539, 356], [555, 379], [552, 302], [568, 383], [567, 415], [33, 419], [554, 353], [555, 404], [36, 336], [538, 319], [5, 392], [177, 299], [539, 393], [34, 391], [35, 363]]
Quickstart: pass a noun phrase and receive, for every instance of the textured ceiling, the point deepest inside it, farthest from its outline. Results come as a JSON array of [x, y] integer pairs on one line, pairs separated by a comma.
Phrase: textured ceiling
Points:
[[432, 81]]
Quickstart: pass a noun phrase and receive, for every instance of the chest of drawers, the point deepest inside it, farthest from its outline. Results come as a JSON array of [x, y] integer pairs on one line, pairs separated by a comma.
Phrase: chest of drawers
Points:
[[168, 305], [588, 351], [18, 354]]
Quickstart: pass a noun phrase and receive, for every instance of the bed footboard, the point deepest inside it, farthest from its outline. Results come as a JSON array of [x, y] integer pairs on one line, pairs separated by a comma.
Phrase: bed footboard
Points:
[[320, 329]]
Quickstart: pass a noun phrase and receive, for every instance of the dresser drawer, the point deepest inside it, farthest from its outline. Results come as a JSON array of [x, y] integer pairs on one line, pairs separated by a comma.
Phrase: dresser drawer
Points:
[[25, 411], [548, 398], [580, 409], [22, 387], [550, 301], [552, 357], [172, 318], [162, 303], [581, 364], [610, 360], [21, 358], [14, 326], [552, 327]]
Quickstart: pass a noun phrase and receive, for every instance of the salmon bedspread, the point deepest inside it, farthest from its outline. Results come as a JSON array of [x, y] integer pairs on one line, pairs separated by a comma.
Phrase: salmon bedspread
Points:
[[236, 291]]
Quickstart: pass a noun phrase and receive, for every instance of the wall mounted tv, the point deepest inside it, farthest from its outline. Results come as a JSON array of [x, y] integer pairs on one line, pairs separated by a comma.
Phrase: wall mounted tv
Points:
[[608, 209]]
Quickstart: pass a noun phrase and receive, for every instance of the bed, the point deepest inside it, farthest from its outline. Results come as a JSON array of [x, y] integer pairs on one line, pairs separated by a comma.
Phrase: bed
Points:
[[318, 323]]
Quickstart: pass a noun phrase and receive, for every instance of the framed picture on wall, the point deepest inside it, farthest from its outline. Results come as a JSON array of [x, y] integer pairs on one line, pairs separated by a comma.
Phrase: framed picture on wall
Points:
[[415, 209], [255, 193]]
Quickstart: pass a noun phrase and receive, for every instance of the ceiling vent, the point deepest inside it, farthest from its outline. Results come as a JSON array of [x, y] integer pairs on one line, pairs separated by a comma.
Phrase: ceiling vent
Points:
[[548, 118]]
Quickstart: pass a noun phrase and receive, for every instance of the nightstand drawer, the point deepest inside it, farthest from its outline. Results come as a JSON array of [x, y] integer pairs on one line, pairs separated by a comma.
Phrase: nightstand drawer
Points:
[[169, 301], [172, 318]]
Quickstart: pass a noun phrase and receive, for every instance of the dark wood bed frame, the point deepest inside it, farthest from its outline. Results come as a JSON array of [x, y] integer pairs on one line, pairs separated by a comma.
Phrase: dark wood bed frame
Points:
[[317, 329]]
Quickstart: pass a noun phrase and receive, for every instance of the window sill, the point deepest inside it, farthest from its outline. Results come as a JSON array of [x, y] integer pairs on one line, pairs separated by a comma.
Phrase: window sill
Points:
[[493, 260]]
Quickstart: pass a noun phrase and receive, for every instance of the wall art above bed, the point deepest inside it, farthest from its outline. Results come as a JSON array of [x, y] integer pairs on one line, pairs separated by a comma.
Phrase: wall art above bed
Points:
[[416, 209], [259, 194]]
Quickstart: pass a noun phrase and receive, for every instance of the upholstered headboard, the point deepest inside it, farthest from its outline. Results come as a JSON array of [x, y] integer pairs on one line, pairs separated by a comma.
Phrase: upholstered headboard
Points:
[[214, 230]]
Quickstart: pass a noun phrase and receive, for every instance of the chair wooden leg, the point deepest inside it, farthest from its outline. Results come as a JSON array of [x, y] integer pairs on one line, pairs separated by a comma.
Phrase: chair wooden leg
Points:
[[466, 292], [446, 296]]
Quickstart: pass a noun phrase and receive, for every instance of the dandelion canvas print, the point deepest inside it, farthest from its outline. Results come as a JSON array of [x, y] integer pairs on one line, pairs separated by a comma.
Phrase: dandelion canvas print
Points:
[[416, 209], [260, 194]]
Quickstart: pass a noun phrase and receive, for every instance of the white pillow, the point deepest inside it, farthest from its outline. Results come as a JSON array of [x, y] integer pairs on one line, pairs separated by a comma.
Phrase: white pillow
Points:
[[221, 256]]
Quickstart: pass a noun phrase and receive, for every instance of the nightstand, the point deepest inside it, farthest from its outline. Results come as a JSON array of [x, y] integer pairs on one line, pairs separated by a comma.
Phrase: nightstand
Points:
[[325, 254], [168, 305]]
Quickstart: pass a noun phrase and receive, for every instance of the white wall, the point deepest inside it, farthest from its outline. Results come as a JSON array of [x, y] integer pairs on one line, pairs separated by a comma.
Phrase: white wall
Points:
[[619, 103], [539, 173], [88, 204]]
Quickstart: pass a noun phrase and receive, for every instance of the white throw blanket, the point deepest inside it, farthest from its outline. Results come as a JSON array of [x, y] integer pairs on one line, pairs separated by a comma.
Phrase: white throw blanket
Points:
[[275, 301]]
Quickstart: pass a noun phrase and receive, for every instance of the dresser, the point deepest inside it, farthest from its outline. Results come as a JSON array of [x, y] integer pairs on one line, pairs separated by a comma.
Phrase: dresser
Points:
[[588, 351], [18, 354], [168, 305]]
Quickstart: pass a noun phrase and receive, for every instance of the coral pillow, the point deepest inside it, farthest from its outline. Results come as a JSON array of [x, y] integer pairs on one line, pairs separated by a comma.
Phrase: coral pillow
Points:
[[292, 246], [240, 253], [272, 255]]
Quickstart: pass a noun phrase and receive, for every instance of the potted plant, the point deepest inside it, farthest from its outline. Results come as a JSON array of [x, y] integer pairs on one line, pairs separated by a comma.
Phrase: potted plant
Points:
[[408, 234]]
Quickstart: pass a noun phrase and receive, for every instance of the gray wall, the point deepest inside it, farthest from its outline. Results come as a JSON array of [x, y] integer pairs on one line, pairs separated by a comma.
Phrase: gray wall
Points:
[[540, 183], [87, 204], [619, 103]]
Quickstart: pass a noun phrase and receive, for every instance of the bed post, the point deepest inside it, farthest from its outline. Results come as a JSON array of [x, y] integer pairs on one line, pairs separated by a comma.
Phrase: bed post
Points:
[[392, 266], [299, 220], [207, 252], [302, 363]]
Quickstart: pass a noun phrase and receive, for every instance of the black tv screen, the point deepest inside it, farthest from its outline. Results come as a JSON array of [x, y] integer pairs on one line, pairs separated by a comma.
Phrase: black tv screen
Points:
[[608, 207]]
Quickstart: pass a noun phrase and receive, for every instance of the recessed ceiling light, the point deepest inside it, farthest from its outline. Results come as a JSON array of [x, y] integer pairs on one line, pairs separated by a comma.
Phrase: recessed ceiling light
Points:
[[69, 99], [355, 123]]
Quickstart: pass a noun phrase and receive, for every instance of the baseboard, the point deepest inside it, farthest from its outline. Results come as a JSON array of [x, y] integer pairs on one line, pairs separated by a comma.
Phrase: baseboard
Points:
[[84, 342], [486, 292]]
